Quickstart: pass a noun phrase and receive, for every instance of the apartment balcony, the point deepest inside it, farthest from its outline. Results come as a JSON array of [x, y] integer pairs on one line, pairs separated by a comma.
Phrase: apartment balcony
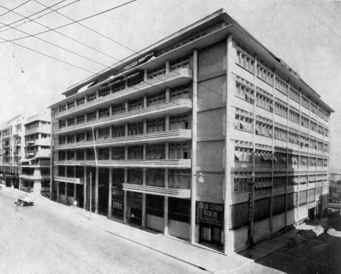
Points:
[[162, 191], [157, 163], [69, 180], [39, 129], [177, 106], [154, 137], [175, 77]]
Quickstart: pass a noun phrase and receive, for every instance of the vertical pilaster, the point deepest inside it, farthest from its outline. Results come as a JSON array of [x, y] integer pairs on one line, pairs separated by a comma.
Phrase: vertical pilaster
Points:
[[228, 247], [165, 208], [144, 198], [194, 147], [110, 193], [58, 191], [84, 187], [125, 197], [96, 189]]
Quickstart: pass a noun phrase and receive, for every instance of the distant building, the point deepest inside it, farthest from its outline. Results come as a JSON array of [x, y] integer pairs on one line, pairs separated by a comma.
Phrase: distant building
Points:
[[335, 187], [205, 135], [12, 150], [35, 167]]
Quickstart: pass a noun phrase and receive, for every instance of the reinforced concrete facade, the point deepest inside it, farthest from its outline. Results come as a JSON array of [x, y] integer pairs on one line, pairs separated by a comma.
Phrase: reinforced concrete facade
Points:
[[35, 167], [205, 135], [12, 150]]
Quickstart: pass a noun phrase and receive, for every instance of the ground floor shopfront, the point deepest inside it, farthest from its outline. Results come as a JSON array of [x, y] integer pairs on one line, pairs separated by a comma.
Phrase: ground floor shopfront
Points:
[[153, 207]]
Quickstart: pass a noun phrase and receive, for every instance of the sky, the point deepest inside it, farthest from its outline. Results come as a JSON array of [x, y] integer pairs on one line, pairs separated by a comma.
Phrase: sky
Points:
[[305, 34]]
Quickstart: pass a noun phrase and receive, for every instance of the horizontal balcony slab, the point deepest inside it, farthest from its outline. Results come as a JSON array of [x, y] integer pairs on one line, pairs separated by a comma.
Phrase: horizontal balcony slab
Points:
[[173, 78], [33, 177], [162, 191], [155, 137], [69, 180], [173, 107], [181, 163]]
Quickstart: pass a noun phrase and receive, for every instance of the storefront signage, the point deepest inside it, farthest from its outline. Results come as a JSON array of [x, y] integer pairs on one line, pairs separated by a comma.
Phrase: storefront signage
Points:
[[210, 213]]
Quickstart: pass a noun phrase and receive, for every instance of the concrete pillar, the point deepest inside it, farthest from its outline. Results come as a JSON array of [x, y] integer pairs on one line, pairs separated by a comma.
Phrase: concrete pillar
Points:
[[144, 198], [84, 187], [125, 197], [194, 147], [144, 126], [110, 193], [96, 189], [167, 123], [75, 192], [144, 152], [165, 208], [167, 67], [167, 95], [58, 191]]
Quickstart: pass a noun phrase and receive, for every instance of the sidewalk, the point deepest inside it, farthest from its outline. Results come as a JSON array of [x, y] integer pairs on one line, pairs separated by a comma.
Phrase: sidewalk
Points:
[[200, 257]]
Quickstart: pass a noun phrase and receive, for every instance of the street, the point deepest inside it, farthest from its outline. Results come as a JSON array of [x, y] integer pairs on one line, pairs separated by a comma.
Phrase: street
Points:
[[37, 240]]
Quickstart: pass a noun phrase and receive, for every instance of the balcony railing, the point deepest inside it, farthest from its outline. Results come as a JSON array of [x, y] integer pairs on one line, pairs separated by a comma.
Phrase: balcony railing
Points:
[[177, 76], [170, 135], [162, 163], [172, 107], [170, 192]]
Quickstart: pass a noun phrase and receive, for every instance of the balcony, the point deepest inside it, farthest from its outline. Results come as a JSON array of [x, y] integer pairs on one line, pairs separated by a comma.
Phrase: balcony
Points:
[[159, 163], [162, 136], [46, 128], [169, 192], [69, 180], [33, 177], [173, 107], [175, 77]]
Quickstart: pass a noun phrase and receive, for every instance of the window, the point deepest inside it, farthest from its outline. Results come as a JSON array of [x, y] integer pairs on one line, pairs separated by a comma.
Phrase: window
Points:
[[180, 92], [117, 85], [156, 99], [262, 209], [104, 112], [90, 154], [263, 126], [70, 121], [179, 151], [136, 104], [294, 116], [281, 108], [263, 157], [118, 131], [179, 209], [103, 153], [180, 122], [116, 109], [155, 205], [135, 152], [265, 74], [118, 153], [245, 60], [80, 119], [305, 102], [103, 132], [243, 154], [179, 178], [62, 108], [281, 85], [305, 121], [155, 125], [62, 123], [135, 128], [80, 101], [155, 177], [156, 151], [264, 100], [243, 120], [182, 62], [70, 139], [293, 137], [104, 90], [280, 159], [70, 104], [79, 155], [91, 116], [91, 97], [294, 94], [242, 184], [134, 78], [135, 176], [244, 90], [263, 185], [61, 155], [61, 139], [70, 155], [156, 72], [80, 137], [281, 133]]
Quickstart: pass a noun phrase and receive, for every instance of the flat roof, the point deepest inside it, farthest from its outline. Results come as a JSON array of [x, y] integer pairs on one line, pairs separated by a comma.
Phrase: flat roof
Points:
[[238, 33]]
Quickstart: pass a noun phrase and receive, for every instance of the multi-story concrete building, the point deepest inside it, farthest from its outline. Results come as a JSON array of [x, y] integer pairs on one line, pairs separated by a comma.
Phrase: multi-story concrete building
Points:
[[335, 187], [205, 135], [35, 167], [12, 146]]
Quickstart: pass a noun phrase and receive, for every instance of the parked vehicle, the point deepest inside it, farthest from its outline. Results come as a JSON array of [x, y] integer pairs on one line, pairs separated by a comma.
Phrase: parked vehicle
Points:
[[24, 201]]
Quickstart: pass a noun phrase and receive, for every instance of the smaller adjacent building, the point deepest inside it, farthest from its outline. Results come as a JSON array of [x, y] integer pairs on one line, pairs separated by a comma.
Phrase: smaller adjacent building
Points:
[[12, 150], [35, 167], [335, 187]]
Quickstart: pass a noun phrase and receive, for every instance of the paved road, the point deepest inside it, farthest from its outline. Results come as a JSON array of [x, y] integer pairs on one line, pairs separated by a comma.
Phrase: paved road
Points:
[[38, 241]]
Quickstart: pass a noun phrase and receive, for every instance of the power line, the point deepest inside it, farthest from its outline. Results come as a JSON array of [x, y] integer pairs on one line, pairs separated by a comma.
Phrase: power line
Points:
[[55, 45], [47, 55], [2, 29], [88, 28], [20, 5], [80, 20], [60, 33]]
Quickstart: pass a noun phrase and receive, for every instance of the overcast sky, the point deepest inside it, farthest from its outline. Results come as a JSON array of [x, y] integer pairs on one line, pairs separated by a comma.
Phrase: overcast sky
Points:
[[306, 34]]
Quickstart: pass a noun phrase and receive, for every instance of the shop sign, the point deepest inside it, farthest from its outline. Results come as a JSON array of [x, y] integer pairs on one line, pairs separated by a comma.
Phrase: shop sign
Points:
[[210, 213]]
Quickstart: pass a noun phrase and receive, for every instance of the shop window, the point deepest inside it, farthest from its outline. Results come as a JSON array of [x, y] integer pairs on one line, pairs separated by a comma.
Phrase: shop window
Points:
[[155, 205]]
